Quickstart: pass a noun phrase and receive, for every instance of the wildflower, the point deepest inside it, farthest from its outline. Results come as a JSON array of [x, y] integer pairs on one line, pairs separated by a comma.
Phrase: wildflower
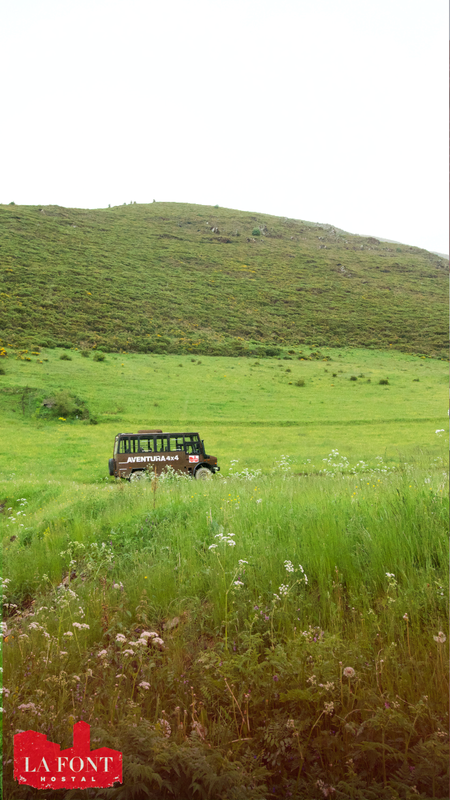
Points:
[[121, 638], [33, 626], [76, 678], [67, 633], [390, 575], [328, 708], [63, 653], [405, 617], [144, 685], [128, 653], [28, 707], [117, 585], [146, 634], [120, 675], [283, 589], [166, 730], [238, 583], [259, 500], [89, 673], [23, 636], [77, 625], [199, 729], [440, 638], [241, 561], [158, 641], [289, 567], [290, 723], [349, 672], [102, 654]]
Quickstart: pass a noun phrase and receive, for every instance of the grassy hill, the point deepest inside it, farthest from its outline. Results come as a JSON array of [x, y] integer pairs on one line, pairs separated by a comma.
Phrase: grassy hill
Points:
[[179, 278]]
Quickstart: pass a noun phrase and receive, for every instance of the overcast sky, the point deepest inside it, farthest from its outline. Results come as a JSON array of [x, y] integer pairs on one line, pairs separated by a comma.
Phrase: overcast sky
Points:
[[333, 111]]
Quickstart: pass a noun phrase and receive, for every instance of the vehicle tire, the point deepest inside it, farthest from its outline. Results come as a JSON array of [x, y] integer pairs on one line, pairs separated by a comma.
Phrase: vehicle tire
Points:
[[137, 475], [111, 466], [203, 474]]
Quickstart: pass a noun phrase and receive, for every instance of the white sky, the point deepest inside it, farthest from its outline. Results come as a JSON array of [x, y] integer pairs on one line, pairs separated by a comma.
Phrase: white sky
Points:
[[333, 111]]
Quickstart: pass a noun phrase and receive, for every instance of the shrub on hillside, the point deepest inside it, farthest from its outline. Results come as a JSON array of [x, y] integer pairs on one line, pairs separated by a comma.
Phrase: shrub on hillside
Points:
[[383, 382], [256, 232], [99, 357], [65, 357], [85, 353], [63, 404]]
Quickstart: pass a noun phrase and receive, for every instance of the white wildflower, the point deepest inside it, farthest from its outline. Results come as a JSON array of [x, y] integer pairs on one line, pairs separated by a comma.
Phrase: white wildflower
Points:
[[144, 685], [349, 672]]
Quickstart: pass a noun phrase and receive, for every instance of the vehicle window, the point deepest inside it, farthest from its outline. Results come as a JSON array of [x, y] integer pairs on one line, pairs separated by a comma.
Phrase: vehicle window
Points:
[[124, 446], [146, 444], [161, 444], [134, 444], [191, 444], [176, 443]]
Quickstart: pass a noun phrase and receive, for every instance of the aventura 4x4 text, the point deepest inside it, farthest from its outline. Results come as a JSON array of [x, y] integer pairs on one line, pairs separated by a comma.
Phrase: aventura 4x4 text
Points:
[[153, 451]]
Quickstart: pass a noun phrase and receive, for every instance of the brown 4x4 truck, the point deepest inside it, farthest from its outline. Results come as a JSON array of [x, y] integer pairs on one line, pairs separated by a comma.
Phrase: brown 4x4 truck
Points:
[[153, 451]]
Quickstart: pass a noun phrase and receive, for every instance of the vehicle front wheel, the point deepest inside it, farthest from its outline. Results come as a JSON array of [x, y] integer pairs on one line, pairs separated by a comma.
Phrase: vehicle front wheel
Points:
[[111, 466], [203, 474]]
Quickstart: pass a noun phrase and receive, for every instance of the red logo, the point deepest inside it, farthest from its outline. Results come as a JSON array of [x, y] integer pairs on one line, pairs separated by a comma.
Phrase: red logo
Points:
[[42, 764], [193, 459]]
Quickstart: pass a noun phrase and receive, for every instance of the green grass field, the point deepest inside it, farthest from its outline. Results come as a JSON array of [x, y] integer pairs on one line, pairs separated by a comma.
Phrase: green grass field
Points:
[[274, 632], [180, 278]]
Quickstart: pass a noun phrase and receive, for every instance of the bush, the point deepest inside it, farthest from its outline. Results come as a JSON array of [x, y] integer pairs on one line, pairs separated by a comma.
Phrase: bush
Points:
[[301, 382], [64, 404], [99, 357], [353, 378], [2, 371], [256, 232], [65, 357], [85, 353], [383, 382]]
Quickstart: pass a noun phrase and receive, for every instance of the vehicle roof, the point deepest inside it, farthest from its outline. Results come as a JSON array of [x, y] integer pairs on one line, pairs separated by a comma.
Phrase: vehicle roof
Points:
[[159, 433]]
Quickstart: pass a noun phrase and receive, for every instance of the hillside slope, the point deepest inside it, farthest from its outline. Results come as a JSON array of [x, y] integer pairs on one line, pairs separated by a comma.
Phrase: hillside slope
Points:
[[185, 278]]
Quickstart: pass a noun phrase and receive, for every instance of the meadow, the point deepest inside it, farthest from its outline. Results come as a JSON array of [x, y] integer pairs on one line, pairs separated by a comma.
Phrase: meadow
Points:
[[278, 631], [184, 278]]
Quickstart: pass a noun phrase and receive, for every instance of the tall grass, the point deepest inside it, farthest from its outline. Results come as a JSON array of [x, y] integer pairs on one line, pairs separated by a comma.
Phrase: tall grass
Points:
[[252, 636]]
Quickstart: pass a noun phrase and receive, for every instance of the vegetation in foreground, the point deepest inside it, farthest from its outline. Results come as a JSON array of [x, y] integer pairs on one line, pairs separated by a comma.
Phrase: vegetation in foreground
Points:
[[249, 637], [180, 278], [309, 658]]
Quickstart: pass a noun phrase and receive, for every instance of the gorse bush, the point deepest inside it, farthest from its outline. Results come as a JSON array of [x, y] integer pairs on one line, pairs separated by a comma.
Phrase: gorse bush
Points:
[[65, 357], [99, 357]]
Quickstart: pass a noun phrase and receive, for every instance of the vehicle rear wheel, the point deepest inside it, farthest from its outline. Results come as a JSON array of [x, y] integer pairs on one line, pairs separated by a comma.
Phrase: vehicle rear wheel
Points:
[[203, 474], [111, 466], [137, 475]]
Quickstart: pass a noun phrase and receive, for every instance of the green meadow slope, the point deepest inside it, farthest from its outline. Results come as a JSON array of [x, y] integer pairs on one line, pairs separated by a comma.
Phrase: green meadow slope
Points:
[[179, 278]]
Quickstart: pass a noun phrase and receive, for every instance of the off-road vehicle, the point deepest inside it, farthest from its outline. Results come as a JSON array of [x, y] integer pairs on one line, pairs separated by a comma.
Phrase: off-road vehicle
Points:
[[136, 454]]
